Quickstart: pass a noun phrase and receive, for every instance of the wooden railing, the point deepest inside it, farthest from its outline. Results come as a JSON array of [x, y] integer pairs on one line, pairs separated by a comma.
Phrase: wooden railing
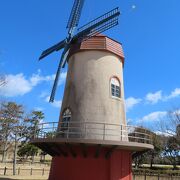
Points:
[[25, 171], [145, 174]]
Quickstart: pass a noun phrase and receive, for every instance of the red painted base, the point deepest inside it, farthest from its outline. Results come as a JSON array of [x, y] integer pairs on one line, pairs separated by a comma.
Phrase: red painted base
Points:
[[116, 167]]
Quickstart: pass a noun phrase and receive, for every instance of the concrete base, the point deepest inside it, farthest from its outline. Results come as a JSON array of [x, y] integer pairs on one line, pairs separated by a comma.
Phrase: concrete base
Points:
[[93, 164]]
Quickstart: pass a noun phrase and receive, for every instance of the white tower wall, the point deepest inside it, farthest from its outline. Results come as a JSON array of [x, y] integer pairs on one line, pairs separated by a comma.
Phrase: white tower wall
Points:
[[88, 94]]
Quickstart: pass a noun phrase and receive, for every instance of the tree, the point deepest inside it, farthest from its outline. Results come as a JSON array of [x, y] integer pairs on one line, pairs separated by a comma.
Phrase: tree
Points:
[[18, 133], [171, 150], [10, 115], [171, 128], [158, 147], [2, 80], [13, 128], [27, 150], [34, 119], [139, 158], [42, 156], [16, 127], [178, 131], [169, 125]]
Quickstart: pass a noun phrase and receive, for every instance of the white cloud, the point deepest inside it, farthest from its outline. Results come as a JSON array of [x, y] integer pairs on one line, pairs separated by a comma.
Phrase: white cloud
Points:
[[62, 77], [56, 103], [153, 98], [174, 94], [38, 109], [43, 94], [47, 99], [131, 102], [154, 116], [167, 133], [37, 78], [18, 84]]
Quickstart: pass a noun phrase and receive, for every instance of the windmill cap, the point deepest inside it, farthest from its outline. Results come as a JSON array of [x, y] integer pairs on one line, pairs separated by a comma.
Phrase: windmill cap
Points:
[[99, 42]]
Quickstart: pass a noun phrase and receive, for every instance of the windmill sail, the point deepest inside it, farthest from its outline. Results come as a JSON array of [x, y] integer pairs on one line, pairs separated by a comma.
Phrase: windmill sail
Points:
[[55, 82], [104, 27], [61, 64], [98, 25], [75, 14], [94, 27], [56, 47]]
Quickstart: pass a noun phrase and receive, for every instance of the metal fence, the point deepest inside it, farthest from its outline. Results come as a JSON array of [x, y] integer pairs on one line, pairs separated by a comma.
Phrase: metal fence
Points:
[[93, 130]]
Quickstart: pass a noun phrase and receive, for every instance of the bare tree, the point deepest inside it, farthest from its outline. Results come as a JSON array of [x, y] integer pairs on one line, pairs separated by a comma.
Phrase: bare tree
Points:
[[2, 80], [171, 130], [9, 115], [169, 124], [16, 127], [18, 133], [171, 150], [12, 128]]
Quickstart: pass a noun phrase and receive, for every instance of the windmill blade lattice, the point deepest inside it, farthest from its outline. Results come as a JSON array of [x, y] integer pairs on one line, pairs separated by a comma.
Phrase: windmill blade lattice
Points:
[[75, 14], [98, 25], [56, 47], [104, 27], [62, 61]]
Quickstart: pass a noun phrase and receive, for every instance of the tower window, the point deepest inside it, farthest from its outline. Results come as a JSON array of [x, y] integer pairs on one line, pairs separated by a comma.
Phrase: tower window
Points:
[[66, 117], [115, 88]]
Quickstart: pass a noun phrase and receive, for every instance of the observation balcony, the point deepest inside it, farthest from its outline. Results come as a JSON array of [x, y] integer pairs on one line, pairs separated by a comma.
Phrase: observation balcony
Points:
[[53, 135]]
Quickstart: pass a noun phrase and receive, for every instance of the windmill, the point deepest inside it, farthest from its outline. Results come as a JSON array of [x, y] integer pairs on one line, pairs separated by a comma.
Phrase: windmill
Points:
[[94, 27], [91, 138]]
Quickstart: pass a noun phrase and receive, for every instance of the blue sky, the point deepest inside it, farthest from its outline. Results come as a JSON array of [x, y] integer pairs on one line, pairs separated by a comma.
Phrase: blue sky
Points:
[[148, 29]]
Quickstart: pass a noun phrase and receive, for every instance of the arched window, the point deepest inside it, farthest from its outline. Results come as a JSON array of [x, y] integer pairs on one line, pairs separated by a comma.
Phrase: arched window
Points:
[[115, 87], [66, 117]]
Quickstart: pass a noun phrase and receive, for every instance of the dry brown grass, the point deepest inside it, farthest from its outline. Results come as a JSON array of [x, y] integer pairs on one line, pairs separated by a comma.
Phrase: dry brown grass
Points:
[[45, 177]]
